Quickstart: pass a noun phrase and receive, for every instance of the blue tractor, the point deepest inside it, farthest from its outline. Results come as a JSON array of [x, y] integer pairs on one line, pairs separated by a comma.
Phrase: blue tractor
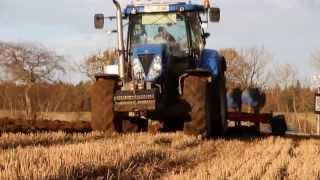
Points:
[[164, 73]]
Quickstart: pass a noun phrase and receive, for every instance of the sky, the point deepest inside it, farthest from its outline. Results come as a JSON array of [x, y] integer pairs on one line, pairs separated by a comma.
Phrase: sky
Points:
[[288, 29]]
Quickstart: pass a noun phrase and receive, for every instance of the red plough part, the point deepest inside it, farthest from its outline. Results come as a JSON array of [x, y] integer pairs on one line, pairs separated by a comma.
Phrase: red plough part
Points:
[[250, 117], [277, 123]]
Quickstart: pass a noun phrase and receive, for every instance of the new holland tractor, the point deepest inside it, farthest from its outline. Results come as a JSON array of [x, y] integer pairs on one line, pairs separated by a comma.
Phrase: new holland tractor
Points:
[[164, 71]]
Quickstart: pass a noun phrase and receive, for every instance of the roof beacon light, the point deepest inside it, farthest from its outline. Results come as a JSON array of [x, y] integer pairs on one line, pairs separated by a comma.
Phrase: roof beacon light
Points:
[[206, 4], [150, 2]]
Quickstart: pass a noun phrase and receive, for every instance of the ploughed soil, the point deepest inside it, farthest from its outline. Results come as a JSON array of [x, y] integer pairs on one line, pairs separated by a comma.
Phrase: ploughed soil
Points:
[[28, 126], [33, 126]]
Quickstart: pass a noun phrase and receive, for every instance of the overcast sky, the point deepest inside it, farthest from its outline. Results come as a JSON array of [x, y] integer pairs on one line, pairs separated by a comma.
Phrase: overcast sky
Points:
[[289, 29]]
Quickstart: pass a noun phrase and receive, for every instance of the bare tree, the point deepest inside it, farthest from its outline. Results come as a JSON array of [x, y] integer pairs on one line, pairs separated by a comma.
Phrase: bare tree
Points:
[[255, 73], [285, 76], [95, 63], [248, 67], [315, 59], [28, 64], [234, 64]]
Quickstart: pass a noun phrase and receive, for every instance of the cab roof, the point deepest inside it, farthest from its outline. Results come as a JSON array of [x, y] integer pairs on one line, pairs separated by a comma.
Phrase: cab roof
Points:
[[167, 7], [149, 2]]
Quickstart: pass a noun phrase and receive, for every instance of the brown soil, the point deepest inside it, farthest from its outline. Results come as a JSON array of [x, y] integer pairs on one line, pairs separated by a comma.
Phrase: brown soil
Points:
[[27, 126]]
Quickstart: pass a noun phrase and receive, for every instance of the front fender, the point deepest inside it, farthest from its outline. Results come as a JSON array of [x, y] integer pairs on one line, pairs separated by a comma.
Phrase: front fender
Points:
[[212, 61]]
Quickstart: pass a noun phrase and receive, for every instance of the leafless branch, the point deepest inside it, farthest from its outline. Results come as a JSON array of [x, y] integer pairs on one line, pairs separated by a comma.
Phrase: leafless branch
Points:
[[248, 67]]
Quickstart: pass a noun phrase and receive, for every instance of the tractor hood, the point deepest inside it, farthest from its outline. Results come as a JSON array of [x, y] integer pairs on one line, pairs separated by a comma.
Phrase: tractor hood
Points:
[[148, 60]]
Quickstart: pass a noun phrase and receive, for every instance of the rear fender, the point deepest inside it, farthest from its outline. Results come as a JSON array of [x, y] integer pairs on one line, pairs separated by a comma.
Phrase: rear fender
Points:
[[211, 65], [212, 62]]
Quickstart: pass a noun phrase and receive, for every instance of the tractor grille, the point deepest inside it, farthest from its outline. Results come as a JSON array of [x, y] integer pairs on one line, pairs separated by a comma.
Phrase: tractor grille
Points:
[[146, 61], [142, 100]]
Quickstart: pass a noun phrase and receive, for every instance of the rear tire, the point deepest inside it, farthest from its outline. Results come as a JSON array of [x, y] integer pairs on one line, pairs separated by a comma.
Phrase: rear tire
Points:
[[102, 115], [218, 100], [208, 106], [195, 93]]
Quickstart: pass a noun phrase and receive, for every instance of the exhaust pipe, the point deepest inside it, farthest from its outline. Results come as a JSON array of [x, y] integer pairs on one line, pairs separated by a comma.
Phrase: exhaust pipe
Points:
[[120, 39]]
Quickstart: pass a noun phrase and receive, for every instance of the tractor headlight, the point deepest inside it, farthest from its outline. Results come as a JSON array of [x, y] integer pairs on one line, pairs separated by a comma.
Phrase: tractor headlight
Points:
[[137, 69], [155, 68]]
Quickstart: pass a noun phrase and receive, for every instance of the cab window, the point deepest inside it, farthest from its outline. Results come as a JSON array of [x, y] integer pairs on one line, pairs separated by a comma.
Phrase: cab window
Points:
[[196, 31]]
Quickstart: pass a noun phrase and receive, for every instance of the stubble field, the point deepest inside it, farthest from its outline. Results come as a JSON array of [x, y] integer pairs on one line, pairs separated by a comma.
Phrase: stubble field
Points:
[[59, 155]]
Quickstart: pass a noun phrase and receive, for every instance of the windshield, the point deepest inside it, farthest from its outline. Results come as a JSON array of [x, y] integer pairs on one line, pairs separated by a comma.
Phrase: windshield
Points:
[[169, 28]]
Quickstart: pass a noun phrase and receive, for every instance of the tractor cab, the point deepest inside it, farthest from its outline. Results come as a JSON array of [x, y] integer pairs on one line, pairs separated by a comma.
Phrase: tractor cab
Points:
[[164, 34]]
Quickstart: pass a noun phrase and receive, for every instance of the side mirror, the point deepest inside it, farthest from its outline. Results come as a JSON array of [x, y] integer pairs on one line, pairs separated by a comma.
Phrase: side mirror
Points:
[[98, 21], [214, 14], [206, 35]]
